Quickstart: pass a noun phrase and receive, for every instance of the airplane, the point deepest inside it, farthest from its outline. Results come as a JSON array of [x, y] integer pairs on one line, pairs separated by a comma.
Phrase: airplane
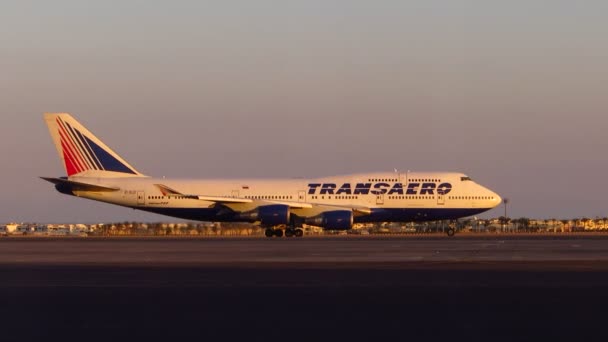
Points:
[[281, 206]]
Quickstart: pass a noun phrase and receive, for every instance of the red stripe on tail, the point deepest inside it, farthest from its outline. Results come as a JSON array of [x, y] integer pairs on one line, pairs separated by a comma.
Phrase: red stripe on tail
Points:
[[70, 166], [77, 158], [66, 147]]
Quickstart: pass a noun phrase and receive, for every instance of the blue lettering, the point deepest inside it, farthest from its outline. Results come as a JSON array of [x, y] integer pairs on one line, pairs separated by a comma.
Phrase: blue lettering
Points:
[[327, 189], [362, 188], [427, 189], [345, 189], [444, 189], [412, 189], [312, 188], [380, 188], [397, 189]]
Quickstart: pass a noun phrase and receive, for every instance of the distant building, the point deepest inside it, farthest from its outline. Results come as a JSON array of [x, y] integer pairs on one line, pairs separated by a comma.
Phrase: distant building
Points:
[[58, 229], [14, 228]]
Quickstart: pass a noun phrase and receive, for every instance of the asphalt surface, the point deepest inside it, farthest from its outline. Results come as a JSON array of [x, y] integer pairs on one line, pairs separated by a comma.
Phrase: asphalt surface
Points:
[[365, 288]]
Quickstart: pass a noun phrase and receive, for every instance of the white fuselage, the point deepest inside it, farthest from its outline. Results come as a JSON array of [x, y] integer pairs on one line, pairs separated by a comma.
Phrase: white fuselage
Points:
[[96, 172], [415, 196]]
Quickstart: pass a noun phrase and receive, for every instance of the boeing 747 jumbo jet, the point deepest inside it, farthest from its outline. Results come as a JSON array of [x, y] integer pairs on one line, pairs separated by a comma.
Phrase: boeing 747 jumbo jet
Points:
[[282, 206]]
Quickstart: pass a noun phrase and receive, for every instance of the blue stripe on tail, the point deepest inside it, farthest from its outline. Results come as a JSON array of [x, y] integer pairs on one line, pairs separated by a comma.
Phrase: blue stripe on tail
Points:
[[108, 162], [95, 161]]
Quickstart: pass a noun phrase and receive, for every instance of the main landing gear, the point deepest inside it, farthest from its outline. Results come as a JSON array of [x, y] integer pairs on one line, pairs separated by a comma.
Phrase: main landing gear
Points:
[[289, 232]]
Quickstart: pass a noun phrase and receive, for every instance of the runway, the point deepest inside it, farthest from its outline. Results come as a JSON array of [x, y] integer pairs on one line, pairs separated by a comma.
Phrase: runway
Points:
[[347, 251], [363, 288]]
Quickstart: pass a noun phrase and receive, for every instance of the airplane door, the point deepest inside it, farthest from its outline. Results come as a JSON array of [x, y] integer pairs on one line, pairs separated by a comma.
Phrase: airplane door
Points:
[[380, 199], [235, 194], [440, 199], [302, 196], [141, 198]]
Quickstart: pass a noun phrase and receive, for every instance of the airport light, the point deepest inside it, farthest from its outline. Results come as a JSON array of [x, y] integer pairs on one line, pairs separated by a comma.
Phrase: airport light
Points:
[[505, 201]]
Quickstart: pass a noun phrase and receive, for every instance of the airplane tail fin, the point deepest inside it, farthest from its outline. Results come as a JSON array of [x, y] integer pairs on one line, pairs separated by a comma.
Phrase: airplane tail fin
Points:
[[82, 153]]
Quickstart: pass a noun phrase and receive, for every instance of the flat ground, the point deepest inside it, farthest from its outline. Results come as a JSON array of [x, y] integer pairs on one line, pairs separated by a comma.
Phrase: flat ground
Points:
[[505, 288]]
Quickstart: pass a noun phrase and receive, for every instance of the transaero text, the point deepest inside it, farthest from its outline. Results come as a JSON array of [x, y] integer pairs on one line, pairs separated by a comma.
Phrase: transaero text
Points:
[[379, 189]]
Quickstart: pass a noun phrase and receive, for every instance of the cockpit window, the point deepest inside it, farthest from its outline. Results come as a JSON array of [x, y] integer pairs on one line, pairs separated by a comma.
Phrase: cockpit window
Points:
[[465, 179]]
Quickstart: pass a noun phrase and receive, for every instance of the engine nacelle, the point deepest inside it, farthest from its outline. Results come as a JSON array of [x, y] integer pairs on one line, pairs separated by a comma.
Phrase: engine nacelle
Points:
[[268, 215], [333, 220], [65, 189]]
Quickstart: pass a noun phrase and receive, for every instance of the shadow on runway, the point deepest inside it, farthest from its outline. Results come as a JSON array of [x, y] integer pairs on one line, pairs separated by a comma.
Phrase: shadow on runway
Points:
[[306, 303]]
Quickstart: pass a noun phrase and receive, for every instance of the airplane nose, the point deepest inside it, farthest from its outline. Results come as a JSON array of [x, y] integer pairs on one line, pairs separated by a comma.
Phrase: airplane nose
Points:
[[497, 199]]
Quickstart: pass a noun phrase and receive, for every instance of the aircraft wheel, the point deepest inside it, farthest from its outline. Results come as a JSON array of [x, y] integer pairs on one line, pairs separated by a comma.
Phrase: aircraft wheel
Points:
[[278, 233], [450, 231], [269, 233], [289, 232], [299, 232]]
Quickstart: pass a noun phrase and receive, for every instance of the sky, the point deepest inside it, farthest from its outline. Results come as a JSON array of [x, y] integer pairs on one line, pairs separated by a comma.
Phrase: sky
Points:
[[513, 93]]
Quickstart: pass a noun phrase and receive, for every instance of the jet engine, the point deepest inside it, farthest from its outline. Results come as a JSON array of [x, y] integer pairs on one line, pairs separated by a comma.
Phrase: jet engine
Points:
[[268, 215], [333, 220]]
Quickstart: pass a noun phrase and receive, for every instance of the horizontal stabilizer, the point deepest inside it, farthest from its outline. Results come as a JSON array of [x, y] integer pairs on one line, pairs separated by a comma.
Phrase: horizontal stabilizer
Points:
[[78, 186]]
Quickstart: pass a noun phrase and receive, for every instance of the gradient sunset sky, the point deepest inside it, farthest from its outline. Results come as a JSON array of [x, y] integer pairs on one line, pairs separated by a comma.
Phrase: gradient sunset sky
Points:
[[513, 93]]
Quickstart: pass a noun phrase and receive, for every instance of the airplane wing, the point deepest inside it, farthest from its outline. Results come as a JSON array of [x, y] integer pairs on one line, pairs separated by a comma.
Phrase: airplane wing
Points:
[[315, 209], [219, 199], [302, 207], [361, 211], [236, 200], [167, 191]]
